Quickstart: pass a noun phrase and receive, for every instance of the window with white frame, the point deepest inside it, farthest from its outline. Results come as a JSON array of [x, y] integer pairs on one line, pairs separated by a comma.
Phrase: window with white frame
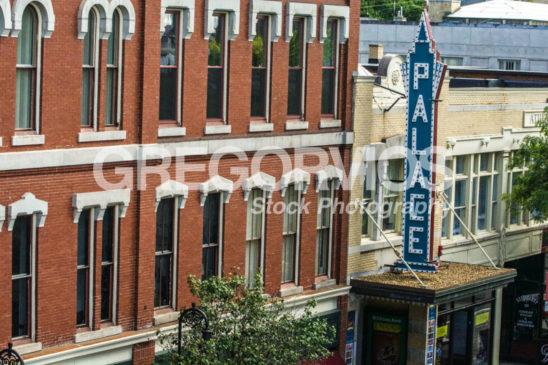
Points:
[[254, 235], [84, 268], [382, 198], [28, 74], [452, 61], [212, 233], [472, 184], [109, 265], [23, 279], [217, 69], [509, 65], [260, 68], [113, 103], [330, 69], [297, 62], [324, 227], [166, 246], [516, 214], [171, 67], [292, 198], [90, 71]]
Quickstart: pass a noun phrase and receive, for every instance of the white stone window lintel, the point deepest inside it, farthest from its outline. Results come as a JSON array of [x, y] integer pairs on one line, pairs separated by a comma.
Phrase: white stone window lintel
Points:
[[27, 205], [187, 8], [216, 184], [329, 173], [106, 9], [5, 18], [261, 181], [299, 177], [338, 12], [46, 13], [101, 200], [172, 189], [270, 8], [232, 7], [307, 10]]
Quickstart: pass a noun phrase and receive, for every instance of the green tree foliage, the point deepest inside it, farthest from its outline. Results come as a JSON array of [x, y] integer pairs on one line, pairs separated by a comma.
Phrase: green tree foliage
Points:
[[384, 9], [531, 189], [247, 328]]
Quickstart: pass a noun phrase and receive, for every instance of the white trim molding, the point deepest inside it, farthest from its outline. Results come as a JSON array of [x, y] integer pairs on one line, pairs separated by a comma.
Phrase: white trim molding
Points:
[[172, 189], [342, 13], [232, 7], [261, 181], [28, 140], [104, 136], [299, 177], [106, 9], [5, 18], [27, 205], [329, 173], [100, 200], [215, 185], [186, 7], [2, 216], [46, 12], [264, 7], [307, 10]]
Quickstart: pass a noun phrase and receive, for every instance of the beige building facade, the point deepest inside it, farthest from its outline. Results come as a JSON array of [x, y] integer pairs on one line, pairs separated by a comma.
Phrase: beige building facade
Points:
[[478, 129]]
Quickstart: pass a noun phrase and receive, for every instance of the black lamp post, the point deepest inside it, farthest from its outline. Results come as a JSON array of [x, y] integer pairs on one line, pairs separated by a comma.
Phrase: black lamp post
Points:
[[196, 315]]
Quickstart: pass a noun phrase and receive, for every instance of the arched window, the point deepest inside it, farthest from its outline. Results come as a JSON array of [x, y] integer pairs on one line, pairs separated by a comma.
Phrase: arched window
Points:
[[90, 72], [114, 73], [28, 71]]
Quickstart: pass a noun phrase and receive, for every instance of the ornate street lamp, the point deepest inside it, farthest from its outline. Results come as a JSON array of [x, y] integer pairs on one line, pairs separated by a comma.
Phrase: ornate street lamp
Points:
[[193, 316], [10, 356]]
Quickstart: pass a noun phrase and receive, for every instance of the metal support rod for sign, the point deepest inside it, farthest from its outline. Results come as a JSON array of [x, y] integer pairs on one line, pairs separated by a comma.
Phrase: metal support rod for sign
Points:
[[444, 198], [206, 332], [398, 254], [10, 356]]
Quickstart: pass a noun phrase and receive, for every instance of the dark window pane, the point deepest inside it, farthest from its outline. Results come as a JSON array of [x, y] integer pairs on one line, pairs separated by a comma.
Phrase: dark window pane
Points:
[[81, 296], [21, 241], [294, 92], [87, 96], [164, 225], [24, 106], [26, 41], [112, 92], [106, 286], [162, 284], [296, 44], [259, 44], [321, 251], [216, 40], [83, 238], [108, 235], [169, 41], [258, 92], [329, 45], [328, 89], [112, 43], [211, 220], [168, 94], [20, 307], [89, 41], [215, 93], [209, 262]]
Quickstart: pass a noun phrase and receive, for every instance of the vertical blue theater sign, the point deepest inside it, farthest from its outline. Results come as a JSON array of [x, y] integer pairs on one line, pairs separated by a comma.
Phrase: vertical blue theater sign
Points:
[[423, 75]]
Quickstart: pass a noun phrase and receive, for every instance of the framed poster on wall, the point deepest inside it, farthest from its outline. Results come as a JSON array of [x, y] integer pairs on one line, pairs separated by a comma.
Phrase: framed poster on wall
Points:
[[386, 339]]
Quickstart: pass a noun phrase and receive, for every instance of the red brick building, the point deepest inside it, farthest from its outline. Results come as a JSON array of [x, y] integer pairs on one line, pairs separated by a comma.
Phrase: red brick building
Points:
[[135, 137]]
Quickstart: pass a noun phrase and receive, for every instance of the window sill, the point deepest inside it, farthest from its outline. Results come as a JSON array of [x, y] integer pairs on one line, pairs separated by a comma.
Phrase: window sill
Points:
[[330, 123], [28, 140], [27, 348], [217, 129], [325, 283], [94, 335], [165, 317], [289, 291], [296, 125], [261, 127], [84, 137], [171, 132]]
